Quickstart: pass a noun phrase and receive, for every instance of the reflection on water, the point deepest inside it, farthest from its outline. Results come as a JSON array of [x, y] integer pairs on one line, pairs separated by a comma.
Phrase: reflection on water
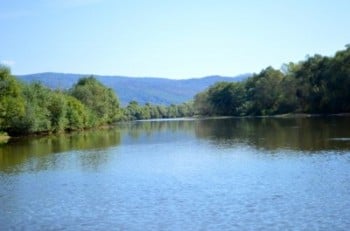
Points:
[[148, 128], [33, 153], [304, 134], [205, 174]]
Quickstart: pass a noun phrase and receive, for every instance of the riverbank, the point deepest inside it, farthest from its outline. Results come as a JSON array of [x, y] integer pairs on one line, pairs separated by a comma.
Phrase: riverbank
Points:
[[306, 115], [4, 137], [286, 115]]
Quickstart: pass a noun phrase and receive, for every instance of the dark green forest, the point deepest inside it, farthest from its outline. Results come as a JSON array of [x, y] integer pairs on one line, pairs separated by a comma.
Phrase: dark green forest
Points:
[[316, 85]]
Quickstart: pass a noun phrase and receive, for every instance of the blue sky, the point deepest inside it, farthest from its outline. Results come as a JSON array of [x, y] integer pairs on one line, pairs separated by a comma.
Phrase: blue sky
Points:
[[165, 38]]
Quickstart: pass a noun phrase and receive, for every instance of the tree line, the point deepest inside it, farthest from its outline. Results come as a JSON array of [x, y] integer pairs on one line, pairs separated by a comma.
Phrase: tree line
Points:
[[135, 111], [34, 108], [318, 84]]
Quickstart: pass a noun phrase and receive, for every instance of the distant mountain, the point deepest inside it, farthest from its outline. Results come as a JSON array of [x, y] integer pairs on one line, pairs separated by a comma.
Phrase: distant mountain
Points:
[[143, 90]]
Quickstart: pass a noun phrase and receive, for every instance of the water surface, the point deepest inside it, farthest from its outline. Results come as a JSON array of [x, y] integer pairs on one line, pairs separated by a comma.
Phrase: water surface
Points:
[[213, 174]]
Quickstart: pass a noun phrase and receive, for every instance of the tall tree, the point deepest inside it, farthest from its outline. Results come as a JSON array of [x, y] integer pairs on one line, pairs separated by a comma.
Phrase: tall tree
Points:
[[12, 107], [101, 100], [263, 90]]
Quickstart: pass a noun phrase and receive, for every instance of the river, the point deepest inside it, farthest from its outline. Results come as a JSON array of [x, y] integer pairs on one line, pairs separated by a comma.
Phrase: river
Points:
[[200, 174]]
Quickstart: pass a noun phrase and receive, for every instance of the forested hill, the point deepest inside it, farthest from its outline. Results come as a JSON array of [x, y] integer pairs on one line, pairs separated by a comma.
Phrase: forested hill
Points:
[[143, 90]]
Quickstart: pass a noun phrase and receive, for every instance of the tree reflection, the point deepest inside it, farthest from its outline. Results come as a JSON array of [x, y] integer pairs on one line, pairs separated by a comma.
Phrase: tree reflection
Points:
[[138, 129], [306, 134], [32, 153]]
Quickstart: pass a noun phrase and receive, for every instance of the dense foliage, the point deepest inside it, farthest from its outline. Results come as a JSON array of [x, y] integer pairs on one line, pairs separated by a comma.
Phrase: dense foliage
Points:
[[34, 108], [135, 111], [317, 85], [101, 101], [12, 104]]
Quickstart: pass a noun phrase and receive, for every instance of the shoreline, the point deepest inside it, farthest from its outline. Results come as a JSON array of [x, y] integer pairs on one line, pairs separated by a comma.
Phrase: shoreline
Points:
[[286, 115], [4, 137], [307, 115]]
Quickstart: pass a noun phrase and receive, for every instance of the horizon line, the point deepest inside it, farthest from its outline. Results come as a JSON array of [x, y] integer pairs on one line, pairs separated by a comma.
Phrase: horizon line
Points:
[[137, 77]]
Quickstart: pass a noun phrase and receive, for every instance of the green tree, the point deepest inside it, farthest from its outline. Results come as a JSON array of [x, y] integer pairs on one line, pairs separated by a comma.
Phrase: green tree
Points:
[[101, 100], [338, 83], [133, 111], [58, 109], [263, 90], [227, 98], [12, 106], [202, 106], [78, 116], [38, 99], [312, 87]]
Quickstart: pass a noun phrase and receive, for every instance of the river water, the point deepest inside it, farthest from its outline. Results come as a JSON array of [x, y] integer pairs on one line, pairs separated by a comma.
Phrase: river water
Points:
[[205, 174]]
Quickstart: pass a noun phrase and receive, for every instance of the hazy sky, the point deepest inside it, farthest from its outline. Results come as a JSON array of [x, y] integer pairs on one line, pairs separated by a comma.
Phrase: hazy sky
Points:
[[161, 38]]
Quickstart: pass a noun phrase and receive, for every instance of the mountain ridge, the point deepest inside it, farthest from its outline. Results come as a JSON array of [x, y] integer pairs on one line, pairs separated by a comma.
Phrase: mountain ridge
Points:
[[154, 90]]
